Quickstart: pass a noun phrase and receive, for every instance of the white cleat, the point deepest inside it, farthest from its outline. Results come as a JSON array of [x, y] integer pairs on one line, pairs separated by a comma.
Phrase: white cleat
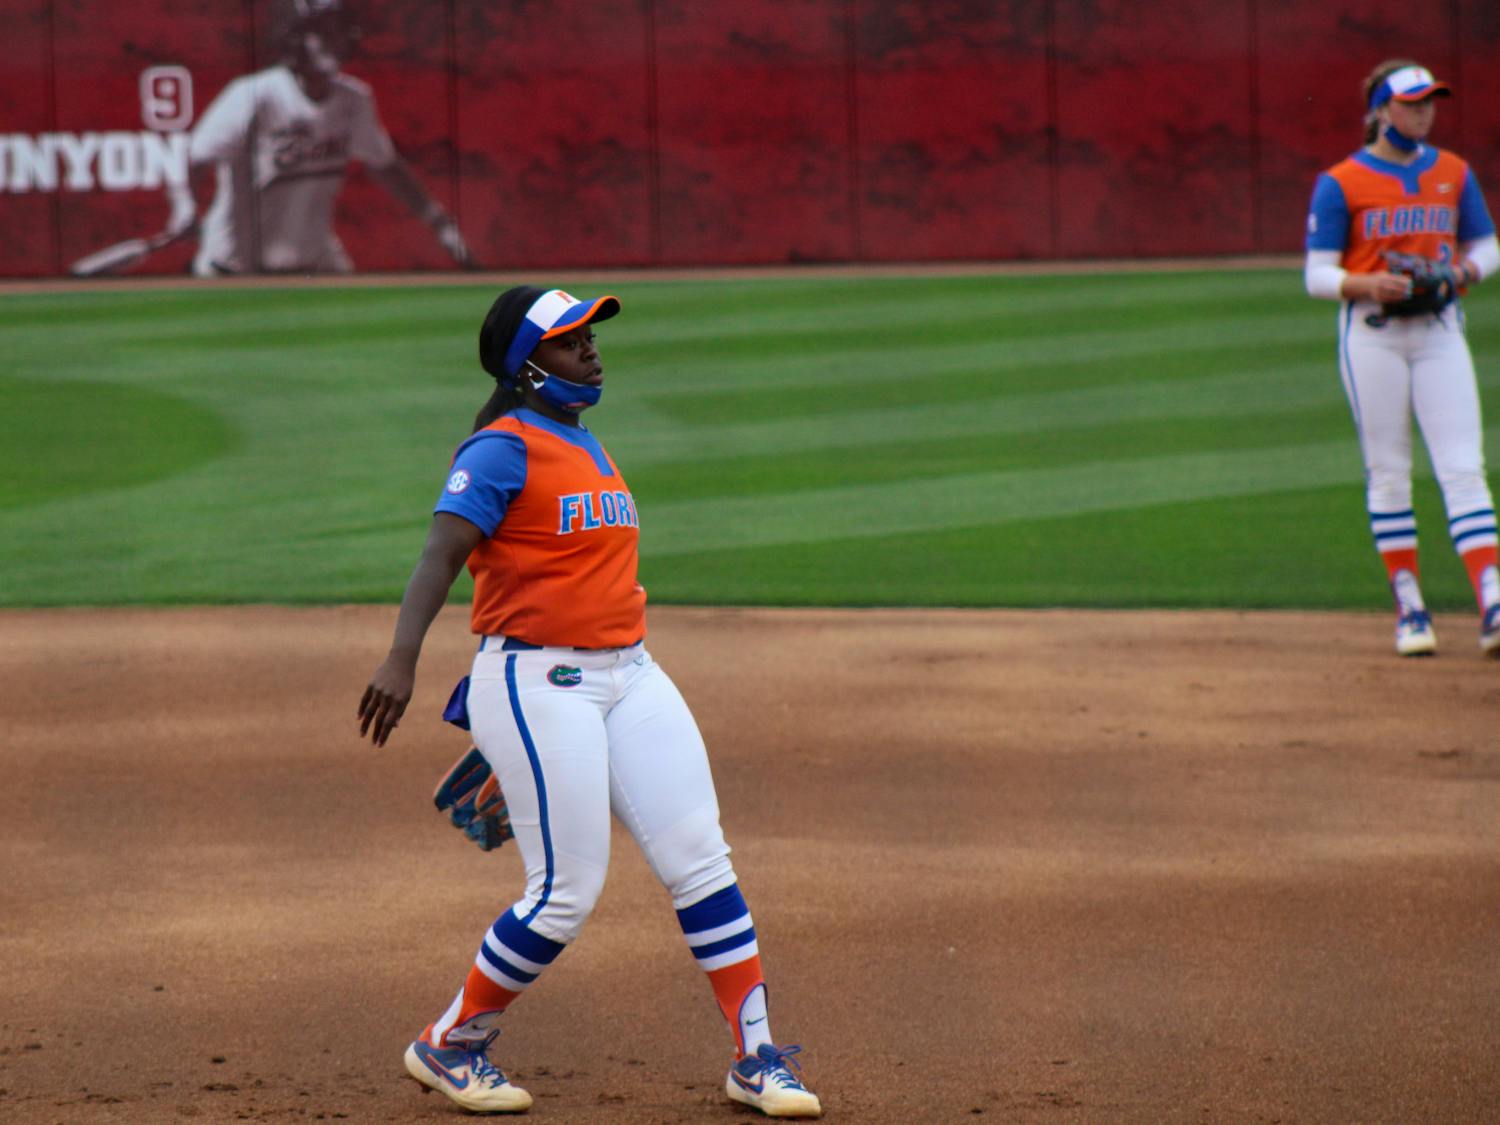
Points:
[[467, 1076], [764, 1081], [1489, 631], [1415, 636]]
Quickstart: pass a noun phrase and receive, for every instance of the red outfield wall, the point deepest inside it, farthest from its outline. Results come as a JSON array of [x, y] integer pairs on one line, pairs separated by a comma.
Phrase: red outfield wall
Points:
[[659, 132]]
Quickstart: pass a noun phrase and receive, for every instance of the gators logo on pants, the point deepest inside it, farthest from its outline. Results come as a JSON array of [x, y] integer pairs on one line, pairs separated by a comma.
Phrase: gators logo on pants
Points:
[[564, 675]]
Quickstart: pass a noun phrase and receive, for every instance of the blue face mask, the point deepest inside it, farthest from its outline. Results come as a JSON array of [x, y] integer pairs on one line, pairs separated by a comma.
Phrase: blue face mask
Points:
[[1399, 140], [556, 391]]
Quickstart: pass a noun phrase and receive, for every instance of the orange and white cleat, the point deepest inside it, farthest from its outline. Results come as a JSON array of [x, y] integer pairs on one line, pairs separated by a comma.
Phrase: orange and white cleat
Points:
[[765, 1081], [1489, 631], [467, 1076], [1414, 634]]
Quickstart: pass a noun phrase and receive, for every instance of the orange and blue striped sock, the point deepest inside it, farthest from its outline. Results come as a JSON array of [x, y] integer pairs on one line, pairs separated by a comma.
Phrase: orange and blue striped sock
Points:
[[1396, 539], [509, 961], [1475, 540], [721, 934]]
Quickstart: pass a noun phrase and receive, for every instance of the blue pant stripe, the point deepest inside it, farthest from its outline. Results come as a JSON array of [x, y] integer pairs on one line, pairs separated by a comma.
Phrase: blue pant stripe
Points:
[[718, 909], [541, 784], [511, 933], [1348, 366]]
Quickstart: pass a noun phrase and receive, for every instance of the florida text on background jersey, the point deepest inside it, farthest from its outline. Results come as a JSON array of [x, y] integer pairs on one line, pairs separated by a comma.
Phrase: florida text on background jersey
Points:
[[1364, 206]]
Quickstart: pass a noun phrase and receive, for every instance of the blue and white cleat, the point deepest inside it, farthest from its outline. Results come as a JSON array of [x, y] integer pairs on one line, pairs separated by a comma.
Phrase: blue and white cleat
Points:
[[1415, 636], [1489, 631], [763, 1080], [467, 1076]]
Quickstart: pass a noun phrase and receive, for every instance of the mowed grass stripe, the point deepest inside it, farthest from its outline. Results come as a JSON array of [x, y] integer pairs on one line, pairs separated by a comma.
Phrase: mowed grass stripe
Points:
[[788, 339], [990, 499], [832, 383], [1286, 390], [815, 419], [1319, 557], [898, 461], [733, 313]]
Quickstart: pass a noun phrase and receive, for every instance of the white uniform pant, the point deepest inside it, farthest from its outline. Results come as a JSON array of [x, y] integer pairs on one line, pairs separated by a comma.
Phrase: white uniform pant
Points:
[[574, 735], [1413, 366]]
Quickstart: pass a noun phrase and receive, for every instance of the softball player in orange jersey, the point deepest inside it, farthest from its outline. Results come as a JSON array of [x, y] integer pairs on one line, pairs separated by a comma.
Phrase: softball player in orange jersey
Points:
[[567, 706], [1398, 194]]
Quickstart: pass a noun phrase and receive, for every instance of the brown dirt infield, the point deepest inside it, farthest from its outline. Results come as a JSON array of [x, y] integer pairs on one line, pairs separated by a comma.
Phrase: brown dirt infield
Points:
[[1005, 866]]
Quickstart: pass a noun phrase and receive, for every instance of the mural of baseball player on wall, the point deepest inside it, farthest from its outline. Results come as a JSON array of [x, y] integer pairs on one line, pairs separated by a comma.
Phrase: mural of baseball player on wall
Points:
[[280, 141]]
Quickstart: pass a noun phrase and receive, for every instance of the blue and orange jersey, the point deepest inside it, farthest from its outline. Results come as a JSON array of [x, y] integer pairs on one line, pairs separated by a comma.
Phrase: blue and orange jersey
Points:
[[1365, 206], [559, 564]]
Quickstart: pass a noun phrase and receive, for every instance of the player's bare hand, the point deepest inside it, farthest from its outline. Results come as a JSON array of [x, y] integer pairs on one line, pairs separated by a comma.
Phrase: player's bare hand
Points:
[[384, 701], [1389, 287]]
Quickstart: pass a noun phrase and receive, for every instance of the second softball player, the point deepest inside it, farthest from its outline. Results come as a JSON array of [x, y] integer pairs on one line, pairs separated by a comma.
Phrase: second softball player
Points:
[[575, 718], [1398, 194]]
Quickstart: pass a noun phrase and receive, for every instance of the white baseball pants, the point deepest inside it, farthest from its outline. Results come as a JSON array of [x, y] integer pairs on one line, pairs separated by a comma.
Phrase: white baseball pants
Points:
[[1414, 366], [575, 735]]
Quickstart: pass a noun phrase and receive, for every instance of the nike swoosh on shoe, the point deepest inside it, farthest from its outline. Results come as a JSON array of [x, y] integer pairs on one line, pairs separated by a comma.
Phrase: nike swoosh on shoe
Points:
[[442, 1071], [744, 1083]]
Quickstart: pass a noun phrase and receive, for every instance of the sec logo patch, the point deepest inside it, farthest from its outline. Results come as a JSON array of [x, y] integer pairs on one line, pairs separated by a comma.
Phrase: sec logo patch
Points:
[[458, 481]]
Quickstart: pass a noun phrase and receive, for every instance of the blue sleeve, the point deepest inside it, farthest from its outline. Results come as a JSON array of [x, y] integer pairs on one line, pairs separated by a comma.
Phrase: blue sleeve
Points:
[[1474, 220], [1328, 217], [488, 471]]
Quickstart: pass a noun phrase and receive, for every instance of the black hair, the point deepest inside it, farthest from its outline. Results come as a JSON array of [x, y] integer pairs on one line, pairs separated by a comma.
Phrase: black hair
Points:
[[503, 399], [495, 335]]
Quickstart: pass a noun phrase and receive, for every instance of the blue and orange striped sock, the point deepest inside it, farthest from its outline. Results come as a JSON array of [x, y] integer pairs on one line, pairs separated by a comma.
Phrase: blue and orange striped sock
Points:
[[510, 959], [1395, 536], [721, 934], [1474, 539]]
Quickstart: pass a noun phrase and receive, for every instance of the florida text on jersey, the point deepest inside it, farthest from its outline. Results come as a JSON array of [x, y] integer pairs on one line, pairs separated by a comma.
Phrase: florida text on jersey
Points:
[[1365, 206], [559, 564]]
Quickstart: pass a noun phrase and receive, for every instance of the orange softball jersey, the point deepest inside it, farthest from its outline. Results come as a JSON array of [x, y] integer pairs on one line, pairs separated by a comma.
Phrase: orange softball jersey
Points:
[[560, 565], [1365, 206]]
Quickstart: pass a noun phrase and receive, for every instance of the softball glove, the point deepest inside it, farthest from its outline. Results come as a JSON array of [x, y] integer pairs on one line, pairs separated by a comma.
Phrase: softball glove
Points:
[[471, 797], [1434, 284]]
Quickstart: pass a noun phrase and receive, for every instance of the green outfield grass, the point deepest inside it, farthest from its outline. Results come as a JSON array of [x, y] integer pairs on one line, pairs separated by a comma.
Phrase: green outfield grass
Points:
[[1138, 439]]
